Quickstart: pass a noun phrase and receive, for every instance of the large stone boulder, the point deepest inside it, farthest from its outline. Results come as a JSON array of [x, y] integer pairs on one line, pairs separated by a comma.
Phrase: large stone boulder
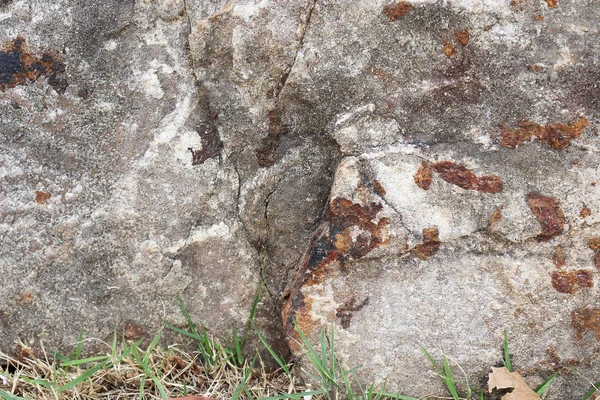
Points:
[[415, 173]]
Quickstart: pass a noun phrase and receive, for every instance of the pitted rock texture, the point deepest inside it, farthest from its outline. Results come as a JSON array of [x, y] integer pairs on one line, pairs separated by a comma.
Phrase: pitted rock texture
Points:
[[408, 168]]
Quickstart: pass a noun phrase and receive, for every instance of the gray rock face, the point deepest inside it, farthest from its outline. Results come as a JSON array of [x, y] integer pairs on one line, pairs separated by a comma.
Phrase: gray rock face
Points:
[[418, 173]]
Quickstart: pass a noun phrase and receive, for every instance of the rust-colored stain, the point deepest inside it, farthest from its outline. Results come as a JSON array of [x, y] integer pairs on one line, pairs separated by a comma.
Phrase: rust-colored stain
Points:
[[423, 176], [556, 135], [494, 219], [211, 144], [398, 10], [548, 213], [17, 66], [586, 319], [462, 37], [346, 311], [430, 245], [277, 128], [597, 260], [594, 243], [559, 258], [572, 281], [42, 197], [552, 3], [378, 188], [585, 212], [133, 331], [465, 178], [448, 48], [348, 231], [538, 17], [555, 362]]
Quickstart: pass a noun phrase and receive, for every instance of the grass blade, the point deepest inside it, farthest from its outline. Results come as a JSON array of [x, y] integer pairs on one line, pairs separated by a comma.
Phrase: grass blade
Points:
[[449, 380], [593, 389], [433, 362], [544, 386], [507, 362], [79, 346], [297, 395], [87, 374], [8, 396], [84, 361]]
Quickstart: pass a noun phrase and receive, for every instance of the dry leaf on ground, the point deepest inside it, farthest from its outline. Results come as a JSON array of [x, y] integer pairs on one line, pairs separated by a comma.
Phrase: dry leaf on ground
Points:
[[502, 378]]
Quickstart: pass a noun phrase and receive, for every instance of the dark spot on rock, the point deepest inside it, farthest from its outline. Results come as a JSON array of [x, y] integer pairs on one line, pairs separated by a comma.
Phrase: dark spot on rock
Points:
[[494, 219], [423, 176], [462, 37], [572, 281], [586, 319], [42, 197], [345, 312], [277, 128], [548, 213], [398, 10], [83, 92], [594, 243], [449, 49], [211, 144], [556, 135], [378, 188], [465, 178], [559, 258], [430, 245], [552, 3], [18, 66]]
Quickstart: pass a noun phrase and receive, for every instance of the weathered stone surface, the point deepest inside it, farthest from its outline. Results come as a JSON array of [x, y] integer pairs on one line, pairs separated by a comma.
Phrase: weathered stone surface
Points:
[[418, 172]]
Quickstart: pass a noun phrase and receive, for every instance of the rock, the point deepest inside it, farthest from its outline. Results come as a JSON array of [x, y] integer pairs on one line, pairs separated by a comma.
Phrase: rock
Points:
[[415, 172]]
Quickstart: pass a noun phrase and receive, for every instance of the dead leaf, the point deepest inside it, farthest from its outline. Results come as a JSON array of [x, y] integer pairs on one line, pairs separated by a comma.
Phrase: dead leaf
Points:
[[501, 378], [191, 398]]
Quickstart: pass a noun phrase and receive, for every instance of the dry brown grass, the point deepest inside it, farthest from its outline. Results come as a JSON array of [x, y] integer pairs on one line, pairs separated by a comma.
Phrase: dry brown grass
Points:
[[128, 372]]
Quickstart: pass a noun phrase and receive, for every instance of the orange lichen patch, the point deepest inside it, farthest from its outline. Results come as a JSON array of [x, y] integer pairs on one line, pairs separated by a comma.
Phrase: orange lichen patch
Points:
[[552, 3], [397, 11], [556, 135], [277, 128], [586, 319], [494, 219], [423, 176], [465, 178], [430, 245], [378, 188], [462, 37], [538, 17], [559, 258], [42, 197], [594, 243], [18, 66], [585, 212], [548, 213], [346, 311], [449, 49], [572, 281]]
